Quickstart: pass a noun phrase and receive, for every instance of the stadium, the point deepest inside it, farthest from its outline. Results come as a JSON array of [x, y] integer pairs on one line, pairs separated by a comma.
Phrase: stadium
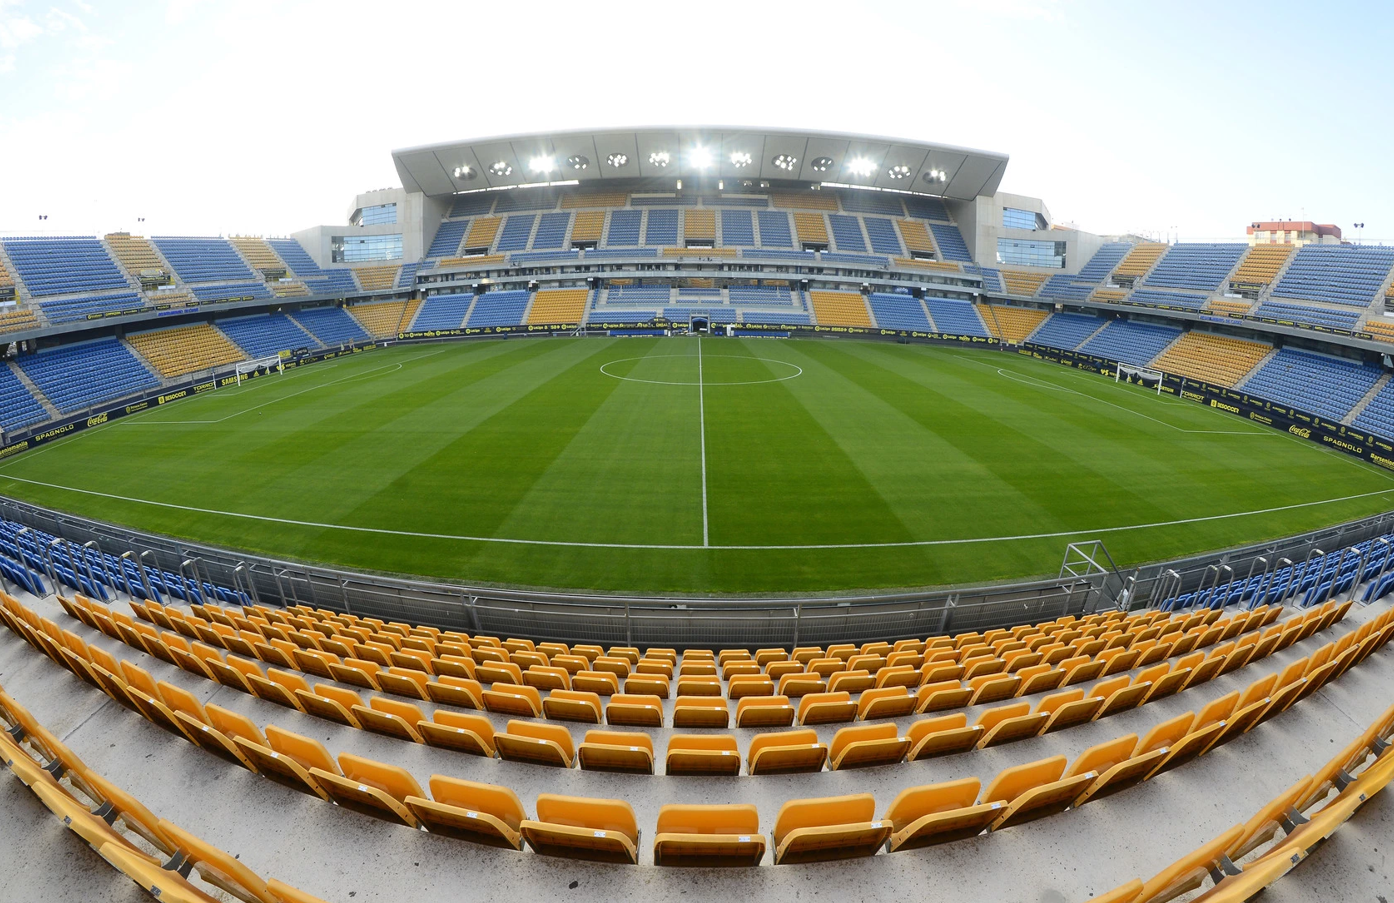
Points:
[[695, 512]]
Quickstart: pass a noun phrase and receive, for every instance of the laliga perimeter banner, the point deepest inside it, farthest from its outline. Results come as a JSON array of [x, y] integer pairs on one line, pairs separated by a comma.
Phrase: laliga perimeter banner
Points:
[[165, 395], [1304, 425]]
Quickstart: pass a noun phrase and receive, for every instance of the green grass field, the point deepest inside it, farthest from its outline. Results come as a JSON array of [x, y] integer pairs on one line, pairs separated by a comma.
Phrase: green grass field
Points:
[[662, 465]]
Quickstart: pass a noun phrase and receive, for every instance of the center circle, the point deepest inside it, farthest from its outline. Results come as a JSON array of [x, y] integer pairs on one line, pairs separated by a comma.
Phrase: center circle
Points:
[[798, 371]]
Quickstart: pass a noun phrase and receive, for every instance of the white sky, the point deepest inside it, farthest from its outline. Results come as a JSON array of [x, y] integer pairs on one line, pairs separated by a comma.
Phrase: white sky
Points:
[[267, 116]]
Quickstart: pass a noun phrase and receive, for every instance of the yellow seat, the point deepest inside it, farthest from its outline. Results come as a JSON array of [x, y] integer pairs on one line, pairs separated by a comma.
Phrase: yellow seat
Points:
[[473, 734], [390, 717], [786, 752], [746, 685], [461, 692], [330, 702], [635, 709], [598, 830], [701, 711], [942, 736], [826, 708], [885, 702], [938, 813], [1034, 790], [938, 695], [866, 745], [287, 758], [218, 869], [816, 830], [764, 711], [155, 880], [483, 813], [1008, 723], [1068, 708], [370, 787], [1188, 872], [538, 743], [513, 699], [647, 685], [572, 705], [630, 751], [702, 754], [708, 836], [1119, 764]]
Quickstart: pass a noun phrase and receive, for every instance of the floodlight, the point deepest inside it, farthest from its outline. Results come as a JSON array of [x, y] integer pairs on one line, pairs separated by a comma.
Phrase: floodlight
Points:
[[786, 162], [659, 158]]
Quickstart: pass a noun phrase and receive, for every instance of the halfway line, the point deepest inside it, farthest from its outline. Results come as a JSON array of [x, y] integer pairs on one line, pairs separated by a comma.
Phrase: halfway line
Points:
[[702, 420]]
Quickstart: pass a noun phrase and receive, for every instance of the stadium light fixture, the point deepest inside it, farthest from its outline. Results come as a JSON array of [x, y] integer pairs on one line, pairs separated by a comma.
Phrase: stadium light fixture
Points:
[[899, 171], [659, 158], [741, 159], [935, 176], [786, 162], [501, 168], [617, 160], [541, 164], [822, 164], [861, 166], [700, 157], [464, 173], [578, 161]]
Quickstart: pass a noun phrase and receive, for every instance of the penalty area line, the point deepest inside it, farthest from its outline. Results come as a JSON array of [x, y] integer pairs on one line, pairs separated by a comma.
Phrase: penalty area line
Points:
[[689, 547]]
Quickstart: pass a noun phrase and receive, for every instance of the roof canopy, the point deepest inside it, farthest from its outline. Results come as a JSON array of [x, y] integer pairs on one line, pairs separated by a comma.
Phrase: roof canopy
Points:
[[694, 152]]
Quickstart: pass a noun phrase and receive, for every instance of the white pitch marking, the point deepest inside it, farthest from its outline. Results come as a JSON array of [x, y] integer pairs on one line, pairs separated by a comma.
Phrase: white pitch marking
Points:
[[689, 547], [664, 382], [702, 419]]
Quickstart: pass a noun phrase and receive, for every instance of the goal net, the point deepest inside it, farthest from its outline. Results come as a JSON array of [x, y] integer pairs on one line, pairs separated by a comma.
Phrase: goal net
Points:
[[1140, 375], [247, 369]]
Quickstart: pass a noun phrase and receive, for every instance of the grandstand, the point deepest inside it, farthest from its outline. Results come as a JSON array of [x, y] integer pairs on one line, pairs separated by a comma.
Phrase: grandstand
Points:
[[1221, 360], [185, 349], [699, 527]]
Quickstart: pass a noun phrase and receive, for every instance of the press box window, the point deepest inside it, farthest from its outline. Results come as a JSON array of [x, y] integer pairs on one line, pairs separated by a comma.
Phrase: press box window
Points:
[[358, 248], [1015, 252], [382, 214], [1015, 218]]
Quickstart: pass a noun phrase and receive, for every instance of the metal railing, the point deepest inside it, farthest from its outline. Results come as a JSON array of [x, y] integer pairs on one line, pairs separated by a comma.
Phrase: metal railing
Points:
[[686, 622]]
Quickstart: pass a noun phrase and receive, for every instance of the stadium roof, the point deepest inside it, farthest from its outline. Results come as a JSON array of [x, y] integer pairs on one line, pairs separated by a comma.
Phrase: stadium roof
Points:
[[696, 151]]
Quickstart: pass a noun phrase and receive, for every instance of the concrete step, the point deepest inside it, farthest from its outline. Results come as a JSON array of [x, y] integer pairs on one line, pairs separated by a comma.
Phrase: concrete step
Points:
[[1365, 400]]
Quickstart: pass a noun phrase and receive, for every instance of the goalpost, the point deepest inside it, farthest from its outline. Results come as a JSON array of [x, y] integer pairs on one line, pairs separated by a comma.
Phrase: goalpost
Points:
[[246, 368], [1139, 375]]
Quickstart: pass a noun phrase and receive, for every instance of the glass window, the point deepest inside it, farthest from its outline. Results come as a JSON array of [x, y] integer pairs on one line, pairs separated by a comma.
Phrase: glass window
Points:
[[1016, 252], [356, 248], [1015, 218], [382, 214]]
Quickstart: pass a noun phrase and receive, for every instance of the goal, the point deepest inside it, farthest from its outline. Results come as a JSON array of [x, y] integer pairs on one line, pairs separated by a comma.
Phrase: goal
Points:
[[1140, 375], [248, 368]]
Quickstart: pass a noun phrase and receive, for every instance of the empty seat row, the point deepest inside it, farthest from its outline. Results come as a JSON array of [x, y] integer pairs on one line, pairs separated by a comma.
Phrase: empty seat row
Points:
[[805, 830]]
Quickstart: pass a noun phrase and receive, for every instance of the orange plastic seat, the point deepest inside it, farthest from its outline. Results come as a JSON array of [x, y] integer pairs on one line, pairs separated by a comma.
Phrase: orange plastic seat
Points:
[[572, 705], [702, 754], [483, 813], [764, 711], [708, 836], [942, 736], [867, 745], [473, 734], [825, 708], [816, 830], [634, 709], [373, 788], [598, 830], [624, 751], [701, 711], [938, 813], [1034, 790], [535, 742], [786, 752]]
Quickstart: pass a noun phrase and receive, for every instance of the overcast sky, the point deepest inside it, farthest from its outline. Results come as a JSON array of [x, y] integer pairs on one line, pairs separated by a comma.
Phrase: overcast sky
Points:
[[255, 117]]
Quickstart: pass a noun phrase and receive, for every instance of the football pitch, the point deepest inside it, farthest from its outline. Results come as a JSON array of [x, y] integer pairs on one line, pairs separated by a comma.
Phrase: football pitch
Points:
[[685, 465]]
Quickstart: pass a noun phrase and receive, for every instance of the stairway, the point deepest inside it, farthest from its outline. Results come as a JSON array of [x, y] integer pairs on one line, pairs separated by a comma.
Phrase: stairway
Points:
[[1365, 400], [39, 396], [1257, 367]]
